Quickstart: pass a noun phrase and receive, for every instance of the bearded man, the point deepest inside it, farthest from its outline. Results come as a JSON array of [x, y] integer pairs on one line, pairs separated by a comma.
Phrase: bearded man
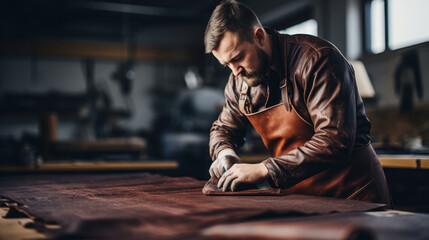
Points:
[[300, 94]]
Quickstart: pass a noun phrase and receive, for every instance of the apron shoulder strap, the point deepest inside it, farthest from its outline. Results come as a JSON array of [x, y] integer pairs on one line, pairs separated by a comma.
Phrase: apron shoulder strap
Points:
[[243, 102], [286, 93]]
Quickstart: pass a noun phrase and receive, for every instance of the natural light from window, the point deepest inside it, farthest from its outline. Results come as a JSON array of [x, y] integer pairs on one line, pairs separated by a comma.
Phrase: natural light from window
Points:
[[306, 27], [408, 22], [377, 26]]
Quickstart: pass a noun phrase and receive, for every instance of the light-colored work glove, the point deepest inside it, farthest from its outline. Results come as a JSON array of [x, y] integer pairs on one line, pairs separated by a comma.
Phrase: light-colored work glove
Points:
[[226, 159], [244, 173]]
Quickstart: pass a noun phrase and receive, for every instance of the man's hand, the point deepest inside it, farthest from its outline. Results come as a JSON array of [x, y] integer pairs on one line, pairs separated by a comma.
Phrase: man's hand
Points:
[[220, 165], [242, 173]]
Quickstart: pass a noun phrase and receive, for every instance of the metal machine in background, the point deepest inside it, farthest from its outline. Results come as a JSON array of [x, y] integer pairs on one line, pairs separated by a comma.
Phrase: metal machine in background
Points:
[[182, 124]]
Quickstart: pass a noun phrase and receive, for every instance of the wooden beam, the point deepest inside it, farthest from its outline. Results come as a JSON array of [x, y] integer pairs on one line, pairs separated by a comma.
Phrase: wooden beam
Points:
[[94, 166], [93, 49]]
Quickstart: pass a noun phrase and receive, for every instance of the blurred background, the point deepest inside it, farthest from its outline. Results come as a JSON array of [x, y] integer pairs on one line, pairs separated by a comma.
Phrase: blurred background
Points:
[[124, 85]]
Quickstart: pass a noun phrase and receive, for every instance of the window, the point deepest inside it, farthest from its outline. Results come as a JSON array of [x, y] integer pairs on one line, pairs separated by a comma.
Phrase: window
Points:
[[408, 21], [306, 27], [395, 24], [376, 25]]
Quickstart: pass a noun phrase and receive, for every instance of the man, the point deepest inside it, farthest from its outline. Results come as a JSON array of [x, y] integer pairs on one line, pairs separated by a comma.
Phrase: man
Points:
[[300, 94]]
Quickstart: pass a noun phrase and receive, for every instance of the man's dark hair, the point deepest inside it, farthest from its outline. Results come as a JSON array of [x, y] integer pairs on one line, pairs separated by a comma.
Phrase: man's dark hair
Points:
[[231, 16]]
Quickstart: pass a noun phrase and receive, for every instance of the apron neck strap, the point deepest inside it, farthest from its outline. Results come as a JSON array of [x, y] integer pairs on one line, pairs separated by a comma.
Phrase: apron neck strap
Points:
[[286, 93], [243, 102]]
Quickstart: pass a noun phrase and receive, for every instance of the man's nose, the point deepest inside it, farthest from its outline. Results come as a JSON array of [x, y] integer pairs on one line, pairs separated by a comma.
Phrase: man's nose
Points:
[[236, 69]]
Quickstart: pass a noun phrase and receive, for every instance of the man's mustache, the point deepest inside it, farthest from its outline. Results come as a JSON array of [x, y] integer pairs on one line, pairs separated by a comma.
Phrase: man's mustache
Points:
[[250, 73]]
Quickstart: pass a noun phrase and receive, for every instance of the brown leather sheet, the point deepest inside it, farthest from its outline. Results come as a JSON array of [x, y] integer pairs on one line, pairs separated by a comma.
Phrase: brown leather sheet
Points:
[[146, 206], [341, 226], [211, 189]]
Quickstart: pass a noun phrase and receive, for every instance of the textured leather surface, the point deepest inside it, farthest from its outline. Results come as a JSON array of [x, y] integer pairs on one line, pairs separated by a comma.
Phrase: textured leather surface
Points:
[[211, 189], [342, 226], [146, 206], [281, 131]]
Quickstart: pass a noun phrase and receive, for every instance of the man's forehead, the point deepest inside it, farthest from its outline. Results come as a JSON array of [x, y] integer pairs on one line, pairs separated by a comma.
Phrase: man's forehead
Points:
[[228, 45], [229, 42]]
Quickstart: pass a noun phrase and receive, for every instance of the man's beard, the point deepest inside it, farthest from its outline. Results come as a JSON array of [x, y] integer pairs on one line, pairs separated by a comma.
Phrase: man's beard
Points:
[[255, 78]]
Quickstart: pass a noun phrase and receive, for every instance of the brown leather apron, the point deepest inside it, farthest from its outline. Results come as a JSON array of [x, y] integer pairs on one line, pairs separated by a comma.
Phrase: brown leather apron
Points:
[[360, 177]]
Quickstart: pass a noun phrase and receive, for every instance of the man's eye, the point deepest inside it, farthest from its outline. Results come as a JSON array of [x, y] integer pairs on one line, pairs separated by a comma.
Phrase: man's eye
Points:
[[236, 59]]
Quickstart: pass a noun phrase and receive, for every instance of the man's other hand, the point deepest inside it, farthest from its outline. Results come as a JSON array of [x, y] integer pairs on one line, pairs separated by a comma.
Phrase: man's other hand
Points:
[[220, 165], [242, 173]]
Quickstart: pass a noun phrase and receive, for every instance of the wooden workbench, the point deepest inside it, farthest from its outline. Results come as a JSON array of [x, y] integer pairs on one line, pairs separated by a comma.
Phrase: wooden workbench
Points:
[[387, 161], [405, 161]]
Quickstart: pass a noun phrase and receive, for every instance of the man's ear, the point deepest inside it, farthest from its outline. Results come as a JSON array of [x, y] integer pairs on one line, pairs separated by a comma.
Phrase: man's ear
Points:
[[259, 36]]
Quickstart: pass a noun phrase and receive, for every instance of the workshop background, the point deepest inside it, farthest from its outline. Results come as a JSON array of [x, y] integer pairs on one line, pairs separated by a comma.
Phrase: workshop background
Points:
[[127, 81]]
